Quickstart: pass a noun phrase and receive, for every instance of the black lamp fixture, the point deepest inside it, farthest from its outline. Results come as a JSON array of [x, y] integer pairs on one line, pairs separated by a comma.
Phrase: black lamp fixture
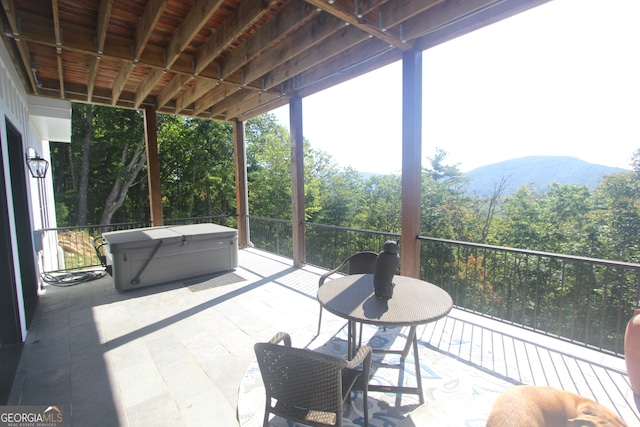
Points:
[[37, 166]]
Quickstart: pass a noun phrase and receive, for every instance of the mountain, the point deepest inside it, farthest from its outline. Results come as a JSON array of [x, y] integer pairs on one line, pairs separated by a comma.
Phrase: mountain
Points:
[[539, 171]]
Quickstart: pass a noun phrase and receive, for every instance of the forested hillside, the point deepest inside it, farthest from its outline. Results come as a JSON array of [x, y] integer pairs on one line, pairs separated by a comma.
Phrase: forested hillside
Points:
[[197, 174], [540, 171]]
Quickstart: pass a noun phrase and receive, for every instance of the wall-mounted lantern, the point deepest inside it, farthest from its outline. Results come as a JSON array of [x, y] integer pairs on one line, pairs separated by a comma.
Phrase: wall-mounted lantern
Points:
[[37, 166]]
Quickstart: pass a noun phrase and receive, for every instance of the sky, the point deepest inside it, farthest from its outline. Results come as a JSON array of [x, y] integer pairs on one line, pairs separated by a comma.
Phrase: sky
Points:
[[562, 79]]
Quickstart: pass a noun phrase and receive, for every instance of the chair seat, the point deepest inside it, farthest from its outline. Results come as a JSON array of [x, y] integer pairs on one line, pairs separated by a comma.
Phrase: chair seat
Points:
[[349, 378], [309, 416]]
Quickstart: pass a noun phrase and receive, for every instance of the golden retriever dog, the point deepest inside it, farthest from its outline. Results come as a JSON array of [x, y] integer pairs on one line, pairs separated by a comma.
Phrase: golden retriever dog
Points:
[[530, 406]]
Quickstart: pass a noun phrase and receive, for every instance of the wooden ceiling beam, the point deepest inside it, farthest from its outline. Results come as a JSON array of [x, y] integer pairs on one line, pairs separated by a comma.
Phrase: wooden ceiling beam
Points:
[[348, 37], [363, 24], [91, 76], [241, 95], [477, 14], [104, 14], [171, 89], [147, 85], [313, 32], [196, 91], [148, 22], [149, 19], [448, 11], [56, 22], [270, 34], [23, 49], [120, 81], [213, 97], [58, 39], [248, 13], [366, 6], [116, 48], [60, 73], [252, 103], [197, 17], [394, 13], [351, 63]]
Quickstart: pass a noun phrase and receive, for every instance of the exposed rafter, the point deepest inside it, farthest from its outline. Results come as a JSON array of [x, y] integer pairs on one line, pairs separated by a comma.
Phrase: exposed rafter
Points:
[[222, 59], [359, 21], [25, 56], [58, 39]]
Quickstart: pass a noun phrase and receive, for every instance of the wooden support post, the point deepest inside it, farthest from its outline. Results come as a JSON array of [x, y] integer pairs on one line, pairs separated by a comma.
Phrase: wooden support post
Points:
[[242, 193], [297, 181], [153, 167], [411, 162]]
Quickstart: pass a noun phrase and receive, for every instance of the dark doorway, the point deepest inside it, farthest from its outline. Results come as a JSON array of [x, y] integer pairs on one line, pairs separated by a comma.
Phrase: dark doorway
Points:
[[10, 331], [24, 232], [9, 316]]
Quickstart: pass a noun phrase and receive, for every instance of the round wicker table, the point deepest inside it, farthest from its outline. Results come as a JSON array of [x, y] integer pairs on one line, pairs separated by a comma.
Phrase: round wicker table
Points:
[[414, 302]]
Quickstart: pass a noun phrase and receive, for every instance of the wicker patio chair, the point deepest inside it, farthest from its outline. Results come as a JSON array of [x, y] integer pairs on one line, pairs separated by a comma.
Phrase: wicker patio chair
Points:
[[358, 263], [309, 387]]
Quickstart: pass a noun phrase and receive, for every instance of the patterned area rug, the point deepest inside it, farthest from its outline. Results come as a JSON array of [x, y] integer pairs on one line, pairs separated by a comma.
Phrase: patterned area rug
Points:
[[455, 393]]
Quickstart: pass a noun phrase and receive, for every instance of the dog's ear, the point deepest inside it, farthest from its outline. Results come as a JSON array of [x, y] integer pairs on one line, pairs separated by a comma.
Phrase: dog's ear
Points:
[[580, 422], [591, 416]]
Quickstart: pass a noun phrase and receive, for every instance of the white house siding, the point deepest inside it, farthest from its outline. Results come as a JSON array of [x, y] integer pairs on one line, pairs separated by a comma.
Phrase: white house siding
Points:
[[14, 108]]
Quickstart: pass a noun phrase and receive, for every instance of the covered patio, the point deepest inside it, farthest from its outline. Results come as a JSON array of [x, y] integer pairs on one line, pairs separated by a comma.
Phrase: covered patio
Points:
[[178, 353]]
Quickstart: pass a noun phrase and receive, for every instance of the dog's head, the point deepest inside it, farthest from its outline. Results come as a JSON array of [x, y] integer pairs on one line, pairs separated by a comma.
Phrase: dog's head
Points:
[[595, 416]]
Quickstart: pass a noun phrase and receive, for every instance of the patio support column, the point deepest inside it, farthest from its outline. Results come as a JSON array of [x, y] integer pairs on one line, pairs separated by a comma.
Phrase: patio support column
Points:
[[153, 166], [411, 162], [297, 181], [242, 193]]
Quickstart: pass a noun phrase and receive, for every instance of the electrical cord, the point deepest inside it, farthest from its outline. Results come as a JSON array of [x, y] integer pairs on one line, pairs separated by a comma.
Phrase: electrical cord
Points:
[[72, 279]]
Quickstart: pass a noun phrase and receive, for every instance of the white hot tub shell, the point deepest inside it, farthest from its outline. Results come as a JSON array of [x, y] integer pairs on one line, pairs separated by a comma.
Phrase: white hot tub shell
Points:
[[155, 255]]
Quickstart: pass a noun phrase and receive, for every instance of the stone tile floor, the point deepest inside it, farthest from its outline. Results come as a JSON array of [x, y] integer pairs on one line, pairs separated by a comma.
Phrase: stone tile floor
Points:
[[175, 354]]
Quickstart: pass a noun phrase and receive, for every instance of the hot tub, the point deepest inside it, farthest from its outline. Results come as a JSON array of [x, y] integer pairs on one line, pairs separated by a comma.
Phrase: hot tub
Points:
[[155, 255]]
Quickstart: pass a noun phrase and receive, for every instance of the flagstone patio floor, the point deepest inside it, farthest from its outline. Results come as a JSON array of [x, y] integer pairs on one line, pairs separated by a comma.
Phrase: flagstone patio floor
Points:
[[175, 354]]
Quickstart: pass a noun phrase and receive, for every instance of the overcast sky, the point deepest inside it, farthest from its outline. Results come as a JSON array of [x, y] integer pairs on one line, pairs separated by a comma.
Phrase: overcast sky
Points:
[[562, 79]]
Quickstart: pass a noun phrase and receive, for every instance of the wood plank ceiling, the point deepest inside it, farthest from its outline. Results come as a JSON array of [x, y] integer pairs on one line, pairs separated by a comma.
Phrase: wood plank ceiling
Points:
[[222, 59]]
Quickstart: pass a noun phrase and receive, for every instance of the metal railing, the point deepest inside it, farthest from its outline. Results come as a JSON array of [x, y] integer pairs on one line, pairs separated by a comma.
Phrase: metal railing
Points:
[[340, 242], [582, 300], [272, 235]]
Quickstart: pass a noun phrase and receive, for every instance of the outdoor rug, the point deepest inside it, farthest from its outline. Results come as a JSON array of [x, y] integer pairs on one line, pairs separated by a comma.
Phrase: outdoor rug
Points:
[[455, 393]]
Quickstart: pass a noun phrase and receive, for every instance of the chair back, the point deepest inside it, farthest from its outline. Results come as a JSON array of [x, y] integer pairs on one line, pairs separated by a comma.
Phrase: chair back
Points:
[[362, 263], [301, 377]]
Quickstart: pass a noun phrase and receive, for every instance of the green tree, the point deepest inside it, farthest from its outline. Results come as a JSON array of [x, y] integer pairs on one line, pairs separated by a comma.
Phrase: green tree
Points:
[[522, 225], [196, 163], [446, 209], [381, 209], [618, 198], [268, 168]]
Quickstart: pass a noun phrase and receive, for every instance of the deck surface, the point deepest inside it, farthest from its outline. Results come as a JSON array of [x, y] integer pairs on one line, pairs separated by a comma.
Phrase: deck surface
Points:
[[176, 353]]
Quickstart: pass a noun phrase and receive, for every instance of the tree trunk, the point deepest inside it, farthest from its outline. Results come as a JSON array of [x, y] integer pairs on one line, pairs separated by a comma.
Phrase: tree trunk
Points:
[[124, 180], [494, 200], [84, 170]]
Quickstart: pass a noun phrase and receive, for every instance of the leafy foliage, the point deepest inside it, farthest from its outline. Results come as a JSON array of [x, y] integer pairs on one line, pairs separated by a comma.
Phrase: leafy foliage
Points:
[[198, 179]]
